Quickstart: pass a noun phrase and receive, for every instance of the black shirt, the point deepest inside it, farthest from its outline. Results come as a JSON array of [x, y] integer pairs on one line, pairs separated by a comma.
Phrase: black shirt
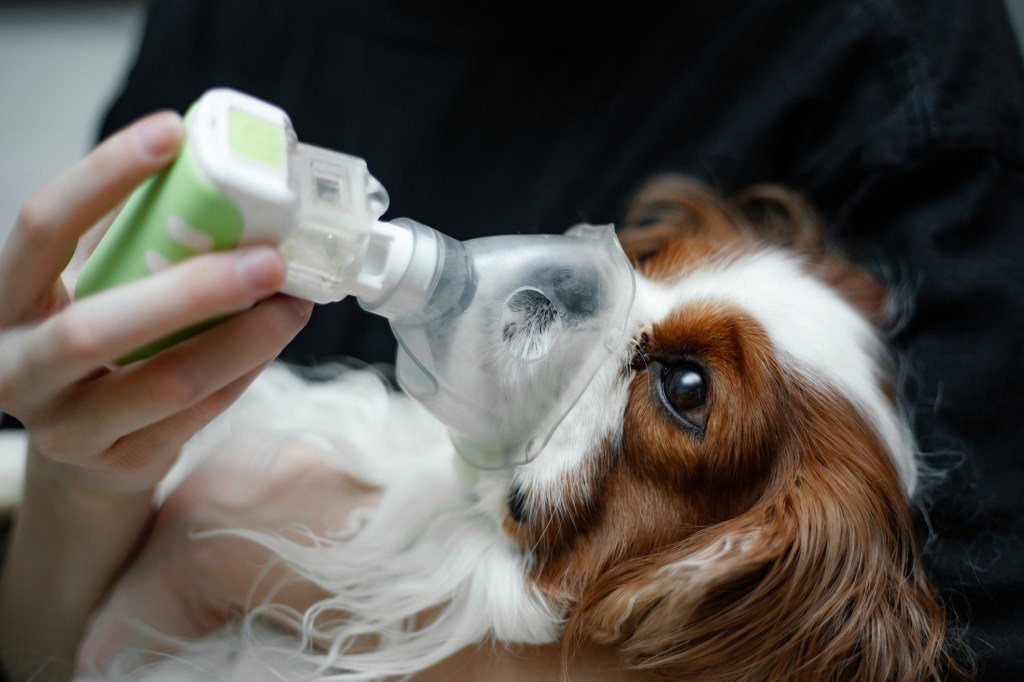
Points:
[[901, 120]]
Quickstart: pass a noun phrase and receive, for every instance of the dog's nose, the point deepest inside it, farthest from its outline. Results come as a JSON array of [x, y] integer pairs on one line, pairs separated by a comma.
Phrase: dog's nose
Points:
[[577, 290]]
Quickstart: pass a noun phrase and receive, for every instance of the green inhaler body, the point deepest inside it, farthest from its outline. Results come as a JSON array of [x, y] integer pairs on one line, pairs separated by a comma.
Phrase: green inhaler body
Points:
[[242, 177]]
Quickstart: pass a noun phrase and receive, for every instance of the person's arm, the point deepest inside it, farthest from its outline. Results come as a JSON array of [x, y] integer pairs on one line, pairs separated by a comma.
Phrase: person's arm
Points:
[[101, 438]]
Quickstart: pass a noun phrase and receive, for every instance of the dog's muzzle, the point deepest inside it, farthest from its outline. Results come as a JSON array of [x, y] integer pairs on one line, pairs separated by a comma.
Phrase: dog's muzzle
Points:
[[519, 327]]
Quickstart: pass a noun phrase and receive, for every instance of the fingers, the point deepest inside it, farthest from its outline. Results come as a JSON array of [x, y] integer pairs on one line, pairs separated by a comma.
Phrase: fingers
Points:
[[138, 415], [181, 379], [140, 460], [43, 238], [98, 330]]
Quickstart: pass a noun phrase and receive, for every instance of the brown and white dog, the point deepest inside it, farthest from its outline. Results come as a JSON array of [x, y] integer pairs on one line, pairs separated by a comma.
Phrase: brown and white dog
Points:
[[729, 500]]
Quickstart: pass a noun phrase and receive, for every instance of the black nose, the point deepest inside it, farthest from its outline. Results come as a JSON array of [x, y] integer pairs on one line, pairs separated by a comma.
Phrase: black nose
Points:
[[577, 290]]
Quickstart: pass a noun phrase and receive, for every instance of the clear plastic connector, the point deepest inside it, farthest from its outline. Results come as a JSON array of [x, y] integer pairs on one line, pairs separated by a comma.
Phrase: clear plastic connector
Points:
[[339, 202]]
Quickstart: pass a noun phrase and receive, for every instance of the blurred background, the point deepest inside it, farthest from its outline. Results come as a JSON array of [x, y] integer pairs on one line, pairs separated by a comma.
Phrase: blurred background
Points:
[[60, 63]]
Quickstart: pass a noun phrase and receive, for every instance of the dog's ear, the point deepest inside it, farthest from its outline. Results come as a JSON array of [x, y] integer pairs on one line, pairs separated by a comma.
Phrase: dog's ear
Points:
[[794, 597], [781, 216], [817, 581], [669, 207]]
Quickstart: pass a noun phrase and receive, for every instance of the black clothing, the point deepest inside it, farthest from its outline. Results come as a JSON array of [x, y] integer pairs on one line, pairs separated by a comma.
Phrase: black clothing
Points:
[[901, 120]]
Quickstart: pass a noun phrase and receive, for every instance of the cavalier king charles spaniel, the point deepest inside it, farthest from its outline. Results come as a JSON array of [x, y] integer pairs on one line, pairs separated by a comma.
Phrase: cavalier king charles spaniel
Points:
[[730, 499]]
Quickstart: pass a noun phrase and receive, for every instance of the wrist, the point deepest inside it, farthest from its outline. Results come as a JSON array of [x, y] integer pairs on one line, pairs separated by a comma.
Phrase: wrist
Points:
[[97, 483], [70, 539], [73, 528]]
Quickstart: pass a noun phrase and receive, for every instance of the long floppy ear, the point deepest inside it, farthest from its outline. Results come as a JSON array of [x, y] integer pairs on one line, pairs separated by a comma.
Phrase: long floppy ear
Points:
[[671, 206], [819, 580]]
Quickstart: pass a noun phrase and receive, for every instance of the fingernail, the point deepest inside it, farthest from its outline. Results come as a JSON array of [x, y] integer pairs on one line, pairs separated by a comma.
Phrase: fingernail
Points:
[[261, 268], [160, 134]]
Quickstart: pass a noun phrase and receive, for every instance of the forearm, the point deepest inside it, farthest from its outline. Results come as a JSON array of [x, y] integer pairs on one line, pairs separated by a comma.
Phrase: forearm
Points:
[[69, 540]]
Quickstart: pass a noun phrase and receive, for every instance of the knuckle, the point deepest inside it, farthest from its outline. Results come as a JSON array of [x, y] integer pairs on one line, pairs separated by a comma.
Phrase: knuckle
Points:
[[177, 388], [137, 461], [52, 442], [78, 340], [36, 220]]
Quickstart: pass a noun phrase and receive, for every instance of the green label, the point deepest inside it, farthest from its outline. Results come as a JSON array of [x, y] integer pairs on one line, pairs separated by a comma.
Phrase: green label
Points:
[[255, 138]]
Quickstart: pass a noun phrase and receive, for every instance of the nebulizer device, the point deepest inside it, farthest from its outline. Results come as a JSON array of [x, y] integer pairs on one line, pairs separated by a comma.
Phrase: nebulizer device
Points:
[[498, 336]]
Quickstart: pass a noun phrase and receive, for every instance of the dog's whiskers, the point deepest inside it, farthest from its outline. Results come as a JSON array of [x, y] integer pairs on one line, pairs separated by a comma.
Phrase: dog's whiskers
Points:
[[638, 355]]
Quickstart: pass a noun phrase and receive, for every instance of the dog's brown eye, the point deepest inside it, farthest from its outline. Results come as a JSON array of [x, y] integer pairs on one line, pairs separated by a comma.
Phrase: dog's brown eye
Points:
[[685, 392]]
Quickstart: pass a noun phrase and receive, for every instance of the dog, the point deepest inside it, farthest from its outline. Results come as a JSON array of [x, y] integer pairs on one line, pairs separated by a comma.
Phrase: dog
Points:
[[730, 498]]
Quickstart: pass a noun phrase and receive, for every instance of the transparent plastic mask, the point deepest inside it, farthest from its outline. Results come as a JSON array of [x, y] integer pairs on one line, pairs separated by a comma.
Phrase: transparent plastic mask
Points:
[[512, 332]]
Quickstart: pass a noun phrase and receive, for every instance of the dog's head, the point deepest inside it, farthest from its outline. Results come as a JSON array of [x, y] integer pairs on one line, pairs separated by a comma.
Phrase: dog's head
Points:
[[729, 499]]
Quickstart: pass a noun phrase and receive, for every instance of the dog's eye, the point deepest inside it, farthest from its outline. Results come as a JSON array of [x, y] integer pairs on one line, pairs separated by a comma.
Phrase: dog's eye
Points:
[[685, 392]]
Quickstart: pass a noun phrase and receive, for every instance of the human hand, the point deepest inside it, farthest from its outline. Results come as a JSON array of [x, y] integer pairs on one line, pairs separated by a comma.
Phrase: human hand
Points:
[[101, 438], [122, 428]]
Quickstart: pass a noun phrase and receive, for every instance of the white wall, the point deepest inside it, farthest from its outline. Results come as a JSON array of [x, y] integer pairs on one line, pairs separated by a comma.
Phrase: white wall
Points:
[[60, 63]]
